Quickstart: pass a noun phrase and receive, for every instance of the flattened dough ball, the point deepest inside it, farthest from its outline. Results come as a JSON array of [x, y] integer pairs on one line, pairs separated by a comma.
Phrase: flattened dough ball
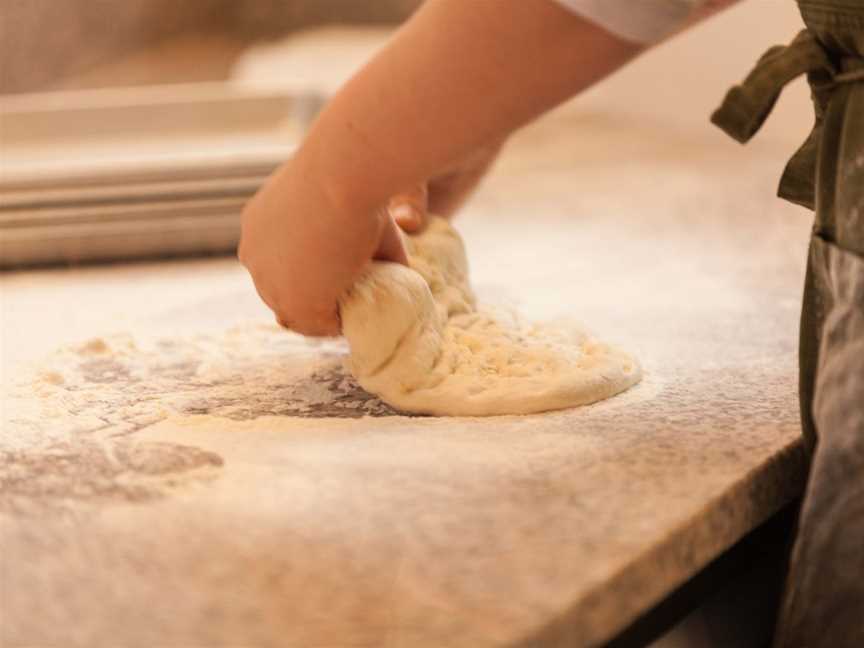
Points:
[[419, 341]]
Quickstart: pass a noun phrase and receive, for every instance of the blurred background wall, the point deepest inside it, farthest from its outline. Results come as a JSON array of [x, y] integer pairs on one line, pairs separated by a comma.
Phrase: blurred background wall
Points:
[[85, 43], [682, 81], [43, 41]]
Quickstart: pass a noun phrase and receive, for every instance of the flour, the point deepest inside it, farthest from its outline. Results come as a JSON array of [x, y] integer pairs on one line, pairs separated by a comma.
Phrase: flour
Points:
[[69, 434], [419, 341], [113, 386]]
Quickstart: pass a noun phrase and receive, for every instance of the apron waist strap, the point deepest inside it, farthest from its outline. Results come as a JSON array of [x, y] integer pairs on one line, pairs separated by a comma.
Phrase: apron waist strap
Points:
[[852, 71], [746, 106]]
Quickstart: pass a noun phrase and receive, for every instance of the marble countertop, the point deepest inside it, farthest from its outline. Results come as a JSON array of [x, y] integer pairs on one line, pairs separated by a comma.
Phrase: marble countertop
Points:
[[194, 476]]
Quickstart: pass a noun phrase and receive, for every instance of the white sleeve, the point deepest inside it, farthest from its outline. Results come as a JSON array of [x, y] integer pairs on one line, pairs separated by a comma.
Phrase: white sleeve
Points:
[[639, 21]]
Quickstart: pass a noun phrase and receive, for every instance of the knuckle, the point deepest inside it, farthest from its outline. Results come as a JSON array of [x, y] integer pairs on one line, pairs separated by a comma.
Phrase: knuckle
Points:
[[315, 324]]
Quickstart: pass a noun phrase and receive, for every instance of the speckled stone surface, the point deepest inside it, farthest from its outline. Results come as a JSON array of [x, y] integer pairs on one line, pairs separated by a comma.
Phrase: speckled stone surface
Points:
[[215, 490]]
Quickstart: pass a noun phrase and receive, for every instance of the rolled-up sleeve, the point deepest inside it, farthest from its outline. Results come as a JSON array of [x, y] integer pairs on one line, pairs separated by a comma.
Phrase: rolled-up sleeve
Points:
[[639, 21]]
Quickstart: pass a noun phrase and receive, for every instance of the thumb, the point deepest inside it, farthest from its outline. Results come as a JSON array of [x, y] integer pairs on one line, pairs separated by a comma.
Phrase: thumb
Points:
[[409, 209]]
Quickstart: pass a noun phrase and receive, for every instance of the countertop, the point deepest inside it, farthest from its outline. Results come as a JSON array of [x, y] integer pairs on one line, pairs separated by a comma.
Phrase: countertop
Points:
[[182, 472]]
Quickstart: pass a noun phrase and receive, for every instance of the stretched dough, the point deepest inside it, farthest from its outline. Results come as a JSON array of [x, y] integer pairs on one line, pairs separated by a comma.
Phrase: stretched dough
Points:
[[419, 341]]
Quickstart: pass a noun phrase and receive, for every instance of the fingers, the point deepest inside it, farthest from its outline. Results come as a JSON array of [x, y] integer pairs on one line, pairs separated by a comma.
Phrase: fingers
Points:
[[310, 321], [326, 325], [409, 209], [307, 312]]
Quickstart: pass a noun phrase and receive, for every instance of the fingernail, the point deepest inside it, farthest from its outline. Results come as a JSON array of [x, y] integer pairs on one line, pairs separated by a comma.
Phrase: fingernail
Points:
[[404, 212]]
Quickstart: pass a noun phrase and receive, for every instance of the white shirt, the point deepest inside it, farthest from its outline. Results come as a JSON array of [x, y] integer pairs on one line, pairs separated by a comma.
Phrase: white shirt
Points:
[[639, 21]]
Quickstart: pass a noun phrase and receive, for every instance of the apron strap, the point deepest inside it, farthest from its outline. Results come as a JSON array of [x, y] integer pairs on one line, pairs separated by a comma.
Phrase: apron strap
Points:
[[746, 107]]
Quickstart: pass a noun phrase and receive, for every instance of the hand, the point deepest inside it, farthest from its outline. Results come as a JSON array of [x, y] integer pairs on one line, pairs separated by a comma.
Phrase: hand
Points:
[[444, 193], [304, 247]]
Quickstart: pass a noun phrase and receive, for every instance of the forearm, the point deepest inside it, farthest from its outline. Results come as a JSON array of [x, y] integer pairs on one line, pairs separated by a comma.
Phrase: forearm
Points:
[[457, 79], [457, 76]]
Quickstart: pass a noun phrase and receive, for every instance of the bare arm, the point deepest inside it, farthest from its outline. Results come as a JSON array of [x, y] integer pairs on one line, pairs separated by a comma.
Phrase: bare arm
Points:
[[458, 77]]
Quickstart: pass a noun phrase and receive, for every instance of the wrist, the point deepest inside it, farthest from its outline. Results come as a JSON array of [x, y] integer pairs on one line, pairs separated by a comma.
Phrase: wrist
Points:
[[348, 223], [348, 184]]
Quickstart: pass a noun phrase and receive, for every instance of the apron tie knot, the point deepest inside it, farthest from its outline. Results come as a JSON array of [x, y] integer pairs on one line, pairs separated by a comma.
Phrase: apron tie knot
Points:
[[746, 106]]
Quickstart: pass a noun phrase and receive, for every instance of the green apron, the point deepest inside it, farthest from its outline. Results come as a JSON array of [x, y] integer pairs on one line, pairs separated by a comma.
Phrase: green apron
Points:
[[824, 599]]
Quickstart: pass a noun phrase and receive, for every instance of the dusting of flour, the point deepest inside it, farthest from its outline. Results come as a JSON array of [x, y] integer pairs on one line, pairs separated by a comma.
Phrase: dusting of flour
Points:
[[116, 385]]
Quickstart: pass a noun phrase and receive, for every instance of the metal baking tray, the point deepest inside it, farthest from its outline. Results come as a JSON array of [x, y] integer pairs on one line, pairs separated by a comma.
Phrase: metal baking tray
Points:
[[140, 172]]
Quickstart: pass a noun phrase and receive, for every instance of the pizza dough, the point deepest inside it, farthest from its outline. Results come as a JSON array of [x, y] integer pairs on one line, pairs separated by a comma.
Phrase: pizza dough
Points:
[[419, 341]]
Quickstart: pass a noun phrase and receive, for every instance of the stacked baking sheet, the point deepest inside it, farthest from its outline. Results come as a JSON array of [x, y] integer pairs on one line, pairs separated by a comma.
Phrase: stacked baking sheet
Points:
[[128, 173]]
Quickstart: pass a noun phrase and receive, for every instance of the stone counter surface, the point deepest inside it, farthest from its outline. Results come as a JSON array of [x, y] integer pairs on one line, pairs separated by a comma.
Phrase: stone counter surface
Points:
[[192, 476]]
